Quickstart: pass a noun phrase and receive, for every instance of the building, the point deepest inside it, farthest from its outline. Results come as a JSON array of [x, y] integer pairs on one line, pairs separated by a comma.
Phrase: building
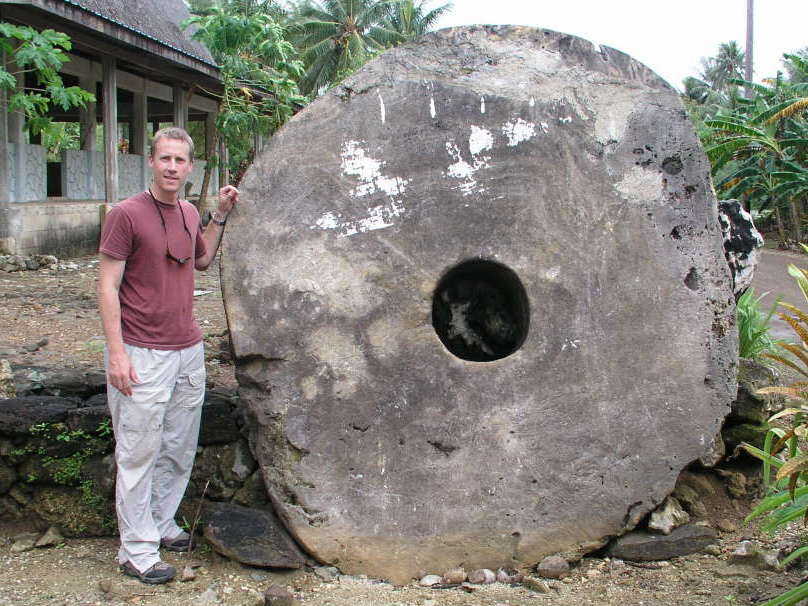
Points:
[[146, 72]]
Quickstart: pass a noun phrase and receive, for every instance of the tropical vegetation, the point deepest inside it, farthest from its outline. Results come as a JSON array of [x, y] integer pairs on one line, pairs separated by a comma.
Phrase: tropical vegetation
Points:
[[753, 325], [40, 54], [276, 56], [756, 136], [784, 455], [336, 37]]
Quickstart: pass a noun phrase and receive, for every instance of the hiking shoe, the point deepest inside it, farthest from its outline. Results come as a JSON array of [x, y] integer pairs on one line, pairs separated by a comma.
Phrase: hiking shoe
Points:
[[182, 542], [157, 574]]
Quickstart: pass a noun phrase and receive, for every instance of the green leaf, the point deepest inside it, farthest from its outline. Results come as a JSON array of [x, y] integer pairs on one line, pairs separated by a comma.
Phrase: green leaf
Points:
[[790, 597], [799, 552], [7, 80]]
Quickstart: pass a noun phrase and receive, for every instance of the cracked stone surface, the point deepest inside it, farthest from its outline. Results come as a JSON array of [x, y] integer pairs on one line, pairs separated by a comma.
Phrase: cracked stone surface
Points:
[[609, 361]]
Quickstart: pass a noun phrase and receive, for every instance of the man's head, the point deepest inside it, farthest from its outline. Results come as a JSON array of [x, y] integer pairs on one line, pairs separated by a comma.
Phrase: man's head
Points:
[[171, 160]]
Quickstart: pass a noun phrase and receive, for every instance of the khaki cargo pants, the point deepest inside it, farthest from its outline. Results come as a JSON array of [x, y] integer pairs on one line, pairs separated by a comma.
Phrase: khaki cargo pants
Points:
[[156, 431]]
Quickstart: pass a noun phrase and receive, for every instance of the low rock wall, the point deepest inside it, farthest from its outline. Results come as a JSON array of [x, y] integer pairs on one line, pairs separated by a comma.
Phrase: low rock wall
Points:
[[57, 462]]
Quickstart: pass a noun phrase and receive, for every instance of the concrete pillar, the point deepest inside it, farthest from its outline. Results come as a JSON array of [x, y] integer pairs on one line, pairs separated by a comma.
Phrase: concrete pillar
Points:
[[110, 94], [5, 179], [137, 145], [180, 107], [87, 118]]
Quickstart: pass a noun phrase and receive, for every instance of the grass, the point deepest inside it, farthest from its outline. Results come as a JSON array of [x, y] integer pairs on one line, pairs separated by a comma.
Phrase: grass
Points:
[[753, 325]]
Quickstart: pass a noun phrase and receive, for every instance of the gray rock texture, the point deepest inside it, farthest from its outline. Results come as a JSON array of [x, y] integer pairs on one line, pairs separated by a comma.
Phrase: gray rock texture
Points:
[[641, 546], [250, 536], [535, 204]]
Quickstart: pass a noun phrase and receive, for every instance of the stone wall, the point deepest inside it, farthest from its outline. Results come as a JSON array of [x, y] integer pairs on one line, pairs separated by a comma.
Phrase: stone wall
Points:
[[57, 463]]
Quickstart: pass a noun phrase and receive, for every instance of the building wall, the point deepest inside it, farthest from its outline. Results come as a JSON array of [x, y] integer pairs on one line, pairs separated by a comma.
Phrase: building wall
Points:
[[60, 228], [27, 172]]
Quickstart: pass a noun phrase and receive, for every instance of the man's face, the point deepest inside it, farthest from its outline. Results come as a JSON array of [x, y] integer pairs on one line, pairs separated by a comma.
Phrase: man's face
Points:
[[171, 164]]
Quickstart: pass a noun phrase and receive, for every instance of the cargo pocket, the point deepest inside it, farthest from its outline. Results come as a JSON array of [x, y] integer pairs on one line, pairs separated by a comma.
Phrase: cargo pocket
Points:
[[192, 389]]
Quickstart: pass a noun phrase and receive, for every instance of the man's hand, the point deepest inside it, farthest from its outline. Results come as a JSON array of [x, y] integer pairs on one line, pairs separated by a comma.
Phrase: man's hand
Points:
[[121, 374], [228, 198]]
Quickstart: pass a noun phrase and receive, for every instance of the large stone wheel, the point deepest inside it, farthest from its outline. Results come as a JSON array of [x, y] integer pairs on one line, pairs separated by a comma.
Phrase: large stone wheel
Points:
[[479, 304]]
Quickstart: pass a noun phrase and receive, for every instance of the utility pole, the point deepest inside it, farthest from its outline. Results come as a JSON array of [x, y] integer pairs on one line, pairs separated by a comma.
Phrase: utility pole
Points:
[[748, 59]]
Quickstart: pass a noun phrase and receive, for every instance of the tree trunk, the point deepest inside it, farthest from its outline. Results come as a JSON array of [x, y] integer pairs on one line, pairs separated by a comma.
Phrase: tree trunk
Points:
[[796, 219], [203, 193], [242, 169], [781, 232], [748, 56]]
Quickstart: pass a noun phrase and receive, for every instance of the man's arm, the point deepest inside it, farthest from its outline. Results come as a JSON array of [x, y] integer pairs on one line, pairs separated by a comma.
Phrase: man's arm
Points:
[[228, 197], [120, 373]]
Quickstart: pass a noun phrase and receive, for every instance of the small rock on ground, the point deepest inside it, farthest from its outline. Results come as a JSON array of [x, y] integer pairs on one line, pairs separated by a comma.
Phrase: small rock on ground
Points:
[[51, 537], [536, 585], [669, 516], [278, 596], [454, 576], [553, 567], [483, 576], [430, 580], [24, 542]]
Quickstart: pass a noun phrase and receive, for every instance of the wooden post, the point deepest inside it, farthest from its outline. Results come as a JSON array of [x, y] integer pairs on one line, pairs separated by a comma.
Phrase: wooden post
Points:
[[180, 108], [87, 118], [5, 181], [138, 130], [110, 130]]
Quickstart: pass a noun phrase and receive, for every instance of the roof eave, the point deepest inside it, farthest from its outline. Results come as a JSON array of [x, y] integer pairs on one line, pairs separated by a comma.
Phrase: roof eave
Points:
[[117, 33]]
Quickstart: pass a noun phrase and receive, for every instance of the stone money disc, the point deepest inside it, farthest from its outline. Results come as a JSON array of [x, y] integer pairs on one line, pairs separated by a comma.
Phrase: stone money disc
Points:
[[479, 304]]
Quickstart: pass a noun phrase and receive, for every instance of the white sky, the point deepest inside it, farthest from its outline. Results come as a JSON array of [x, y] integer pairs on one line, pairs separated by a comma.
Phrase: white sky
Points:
[[669, 36]]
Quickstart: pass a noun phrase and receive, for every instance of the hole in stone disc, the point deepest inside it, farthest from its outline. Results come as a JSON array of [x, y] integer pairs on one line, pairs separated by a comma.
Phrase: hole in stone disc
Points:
[[480, 311]]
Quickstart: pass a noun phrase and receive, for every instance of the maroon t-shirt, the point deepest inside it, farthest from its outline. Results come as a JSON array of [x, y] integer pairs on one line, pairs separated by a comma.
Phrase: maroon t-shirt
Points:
[[156, 292]]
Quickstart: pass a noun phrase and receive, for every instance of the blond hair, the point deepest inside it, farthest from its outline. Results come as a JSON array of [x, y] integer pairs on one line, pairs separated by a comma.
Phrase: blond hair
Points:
[[173, 132]]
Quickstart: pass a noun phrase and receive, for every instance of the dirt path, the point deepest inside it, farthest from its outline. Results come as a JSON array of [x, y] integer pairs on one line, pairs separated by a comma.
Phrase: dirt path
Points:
[[771, 276], [59, 306]]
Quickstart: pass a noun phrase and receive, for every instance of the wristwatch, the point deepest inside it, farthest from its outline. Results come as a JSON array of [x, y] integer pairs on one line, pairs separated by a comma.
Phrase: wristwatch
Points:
[[218, 218]]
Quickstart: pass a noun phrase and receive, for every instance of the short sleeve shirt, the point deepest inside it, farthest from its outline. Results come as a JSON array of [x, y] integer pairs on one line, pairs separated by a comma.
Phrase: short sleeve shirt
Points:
[[156, 292]]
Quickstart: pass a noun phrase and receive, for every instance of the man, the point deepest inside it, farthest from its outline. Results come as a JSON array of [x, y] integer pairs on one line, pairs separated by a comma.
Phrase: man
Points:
[[150, 245]]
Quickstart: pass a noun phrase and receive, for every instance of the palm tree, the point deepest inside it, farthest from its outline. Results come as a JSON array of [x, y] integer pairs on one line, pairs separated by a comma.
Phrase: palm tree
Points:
[[748, 60], [336, 37], [726, 66], [410, 18]]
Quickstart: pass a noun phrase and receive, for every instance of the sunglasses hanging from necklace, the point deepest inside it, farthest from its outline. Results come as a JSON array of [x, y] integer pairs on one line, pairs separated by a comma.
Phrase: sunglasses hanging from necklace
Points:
[[180, 260]]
